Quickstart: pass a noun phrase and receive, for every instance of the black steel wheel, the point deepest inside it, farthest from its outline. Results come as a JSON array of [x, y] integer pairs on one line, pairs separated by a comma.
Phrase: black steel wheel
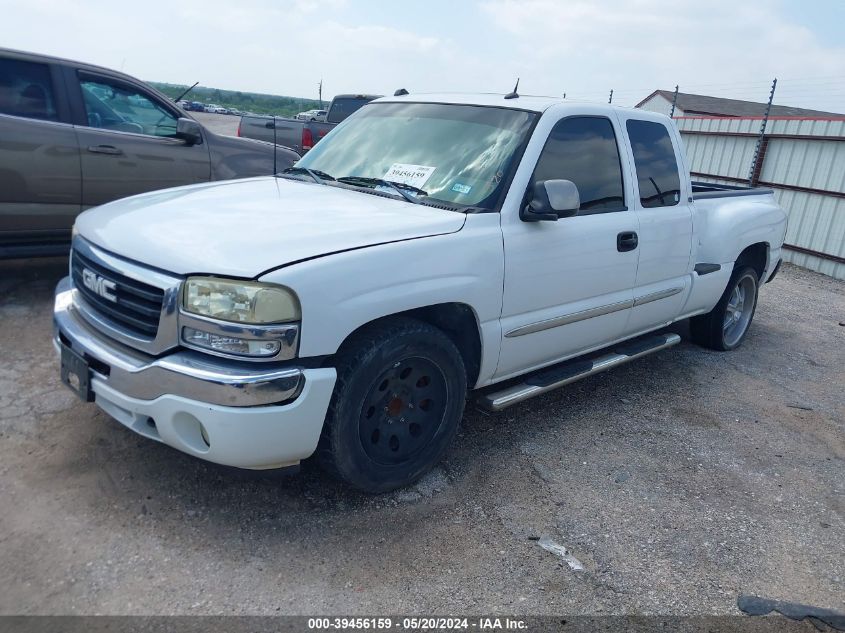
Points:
[[403, 410], [397, 404]]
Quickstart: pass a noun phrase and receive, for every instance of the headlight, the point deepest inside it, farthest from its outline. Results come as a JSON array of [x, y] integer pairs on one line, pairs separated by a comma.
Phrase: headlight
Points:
[[240, 301], [230, 344]]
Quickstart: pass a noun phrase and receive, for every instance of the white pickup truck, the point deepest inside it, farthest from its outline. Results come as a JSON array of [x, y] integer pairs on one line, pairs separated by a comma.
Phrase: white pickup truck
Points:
[[428, 247]]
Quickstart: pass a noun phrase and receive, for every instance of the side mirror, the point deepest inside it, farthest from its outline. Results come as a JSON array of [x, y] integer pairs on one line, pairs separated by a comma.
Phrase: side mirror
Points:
[[189, 131], [551, 200]]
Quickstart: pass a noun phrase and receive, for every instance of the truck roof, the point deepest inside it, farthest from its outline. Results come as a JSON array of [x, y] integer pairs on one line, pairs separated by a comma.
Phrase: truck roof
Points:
[[356, 96], [64, 61], [533, 103]]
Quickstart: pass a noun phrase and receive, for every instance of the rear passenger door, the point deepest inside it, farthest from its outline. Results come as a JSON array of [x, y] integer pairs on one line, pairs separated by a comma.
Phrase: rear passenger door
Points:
[[127, 139], [662, 204], [40, 191]]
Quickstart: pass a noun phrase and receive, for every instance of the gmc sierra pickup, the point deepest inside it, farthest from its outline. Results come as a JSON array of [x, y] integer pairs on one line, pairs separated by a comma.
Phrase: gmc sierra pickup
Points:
[[428, 247]]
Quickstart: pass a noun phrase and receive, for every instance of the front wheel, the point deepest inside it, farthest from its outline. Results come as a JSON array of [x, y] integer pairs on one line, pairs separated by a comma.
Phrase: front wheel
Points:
[[397, 404], [725, 326]]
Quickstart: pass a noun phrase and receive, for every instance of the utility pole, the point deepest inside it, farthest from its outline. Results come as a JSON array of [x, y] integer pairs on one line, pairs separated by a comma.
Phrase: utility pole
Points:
[[320, 92], [762, 142], [674, 101], [610, 99]]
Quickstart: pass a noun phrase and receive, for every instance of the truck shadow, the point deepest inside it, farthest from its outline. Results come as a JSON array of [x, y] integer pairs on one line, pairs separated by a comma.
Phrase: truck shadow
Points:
[[112, 469]]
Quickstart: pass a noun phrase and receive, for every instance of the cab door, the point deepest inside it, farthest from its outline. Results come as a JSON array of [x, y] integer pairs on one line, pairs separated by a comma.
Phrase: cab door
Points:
[[569, 283], [127, 140], [662, 204]]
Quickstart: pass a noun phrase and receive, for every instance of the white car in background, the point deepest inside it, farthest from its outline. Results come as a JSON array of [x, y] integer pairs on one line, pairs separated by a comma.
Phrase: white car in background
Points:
[[312, 115]]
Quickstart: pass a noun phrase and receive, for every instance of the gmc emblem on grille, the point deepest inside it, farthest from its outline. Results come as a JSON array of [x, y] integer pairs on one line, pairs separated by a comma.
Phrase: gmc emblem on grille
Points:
[[100, 285]]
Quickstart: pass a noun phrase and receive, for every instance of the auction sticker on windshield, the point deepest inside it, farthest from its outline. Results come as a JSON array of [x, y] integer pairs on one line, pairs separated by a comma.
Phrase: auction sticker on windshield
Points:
[[413, 175]]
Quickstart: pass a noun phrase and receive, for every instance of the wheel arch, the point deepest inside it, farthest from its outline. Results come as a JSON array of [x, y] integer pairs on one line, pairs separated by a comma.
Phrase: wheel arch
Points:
[[458, 321], [756, 256]]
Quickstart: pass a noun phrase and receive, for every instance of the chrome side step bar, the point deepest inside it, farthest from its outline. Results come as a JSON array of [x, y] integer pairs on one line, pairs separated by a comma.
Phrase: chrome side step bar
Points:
[[550, 378]]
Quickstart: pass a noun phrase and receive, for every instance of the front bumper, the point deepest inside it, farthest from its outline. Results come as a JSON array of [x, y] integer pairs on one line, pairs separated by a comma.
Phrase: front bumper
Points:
[[226, 412]]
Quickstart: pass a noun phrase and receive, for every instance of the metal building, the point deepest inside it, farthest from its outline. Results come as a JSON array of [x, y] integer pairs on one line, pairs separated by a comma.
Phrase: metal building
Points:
[[801, 158], [687, 104]]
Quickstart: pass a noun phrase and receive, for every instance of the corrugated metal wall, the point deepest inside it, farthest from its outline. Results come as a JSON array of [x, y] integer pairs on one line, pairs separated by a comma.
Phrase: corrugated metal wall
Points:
[[803, 160]]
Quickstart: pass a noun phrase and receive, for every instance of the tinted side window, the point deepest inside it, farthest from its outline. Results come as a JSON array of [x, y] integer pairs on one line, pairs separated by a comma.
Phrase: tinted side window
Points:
[[584, 150], [27, 90], [342, 108], [114, 106], [654, 158]]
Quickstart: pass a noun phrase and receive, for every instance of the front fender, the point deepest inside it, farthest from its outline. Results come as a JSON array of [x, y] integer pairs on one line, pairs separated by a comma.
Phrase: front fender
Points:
[[339, 293], [245, 158]]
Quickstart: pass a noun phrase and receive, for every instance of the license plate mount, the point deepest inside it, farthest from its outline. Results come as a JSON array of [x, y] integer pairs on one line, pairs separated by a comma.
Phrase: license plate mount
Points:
[[76, 374]]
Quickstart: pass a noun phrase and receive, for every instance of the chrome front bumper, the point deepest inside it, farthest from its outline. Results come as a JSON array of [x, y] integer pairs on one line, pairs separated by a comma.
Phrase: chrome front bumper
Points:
[[188, 374]]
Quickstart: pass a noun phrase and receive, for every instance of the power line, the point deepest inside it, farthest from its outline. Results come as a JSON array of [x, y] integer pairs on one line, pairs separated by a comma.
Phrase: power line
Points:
[[736, 88], [737, 84]]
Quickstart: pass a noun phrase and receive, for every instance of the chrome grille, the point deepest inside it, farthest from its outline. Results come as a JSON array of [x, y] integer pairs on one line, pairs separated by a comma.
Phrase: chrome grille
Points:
[[137, 306]]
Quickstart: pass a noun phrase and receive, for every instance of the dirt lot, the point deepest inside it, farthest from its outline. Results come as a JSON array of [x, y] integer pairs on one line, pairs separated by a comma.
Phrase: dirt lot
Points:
[[679, 481], [218, 123]]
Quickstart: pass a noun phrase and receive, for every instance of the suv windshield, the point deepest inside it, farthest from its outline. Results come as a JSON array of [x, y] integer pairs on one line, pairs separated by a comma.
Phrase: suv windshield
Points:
[[458, 154]]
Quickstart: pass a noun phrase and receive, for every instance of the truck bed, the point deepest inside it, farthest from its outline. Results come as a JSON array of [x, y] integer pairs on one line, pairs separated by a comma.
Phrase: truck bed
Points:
[[705, 190], [296, 134]]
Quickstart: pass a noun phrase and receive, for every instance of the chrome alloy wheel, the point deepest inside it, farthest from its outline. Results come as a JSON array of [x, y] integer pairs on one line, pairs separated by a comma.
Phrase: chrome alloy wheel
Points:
[[739, 310]]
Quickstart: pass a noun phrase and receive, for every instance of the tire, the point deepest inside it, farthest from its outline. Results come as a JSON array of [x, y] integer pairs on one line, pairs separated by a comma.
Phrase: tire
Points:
[[397, 404], [738, 302]]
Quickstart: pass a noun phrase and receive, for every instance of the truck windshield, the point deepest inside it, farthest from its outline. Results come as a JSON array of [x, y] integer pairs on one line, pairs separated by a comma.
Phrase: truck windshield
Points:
[[458, 154]]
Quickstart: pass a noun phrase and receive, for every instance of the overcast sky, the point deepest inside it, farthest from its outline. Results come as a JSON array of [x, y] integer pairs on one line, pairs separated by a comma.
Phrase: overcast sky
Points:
[[584, 48]]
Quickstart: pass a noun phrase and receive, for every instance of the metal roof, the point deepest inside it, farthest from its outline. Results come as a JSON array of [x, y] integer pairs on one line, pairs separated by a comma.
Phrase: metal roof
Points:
[[717, 106]]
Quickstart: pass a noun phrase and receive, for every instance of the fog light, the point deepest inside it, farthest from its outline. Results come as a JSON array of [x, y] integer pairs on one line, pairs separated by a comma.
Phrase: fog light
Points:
[[230, 344]]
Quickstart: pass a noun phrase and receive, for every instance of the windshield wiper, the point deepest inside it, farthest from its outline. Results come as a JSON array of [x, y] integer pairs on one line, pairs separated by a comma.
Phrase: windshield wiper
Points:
[[319, 176], [399, 187]]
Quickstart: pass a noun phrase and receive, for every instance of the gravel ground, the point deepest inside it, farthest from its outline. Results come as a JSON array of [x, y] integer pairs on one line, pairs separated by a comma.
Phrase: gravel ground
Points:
[[218, 123], [679, 482]]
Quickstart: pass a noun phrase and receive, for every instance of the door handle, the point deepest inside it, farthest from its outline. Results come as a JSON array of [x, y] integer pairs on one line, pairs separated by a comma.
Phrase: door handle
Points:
[[626, 241], [105, 149]]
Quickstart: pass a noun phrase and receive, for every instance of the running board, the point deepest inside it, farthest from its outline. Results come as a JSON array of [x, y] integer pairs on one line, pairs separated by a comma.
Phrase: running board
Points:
[[549, 378]]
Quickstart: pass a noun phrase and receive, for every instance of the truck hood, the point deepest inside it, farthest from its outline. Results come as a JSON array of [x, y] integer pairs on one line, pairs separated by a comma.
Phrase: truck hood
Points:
[[242, 228]]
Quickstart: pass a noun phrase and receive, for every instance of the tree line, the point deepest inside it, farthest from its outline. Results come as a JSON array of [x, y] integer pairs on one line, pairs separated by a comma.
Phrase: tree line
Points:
[[245, 101]]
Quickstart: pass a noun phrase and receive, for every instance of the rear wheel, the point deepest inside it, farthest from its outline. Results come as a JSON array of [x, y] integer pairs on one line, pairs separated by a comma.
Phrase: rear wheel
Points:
[[725, 326], [397, 404]]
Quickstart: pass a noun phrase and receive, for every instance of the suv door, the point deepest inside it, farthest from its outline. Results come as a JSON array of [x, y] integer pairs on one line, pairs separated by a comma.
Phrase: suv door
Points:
[[40, 190], [127, 139], [568, 284], [664, 209]]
